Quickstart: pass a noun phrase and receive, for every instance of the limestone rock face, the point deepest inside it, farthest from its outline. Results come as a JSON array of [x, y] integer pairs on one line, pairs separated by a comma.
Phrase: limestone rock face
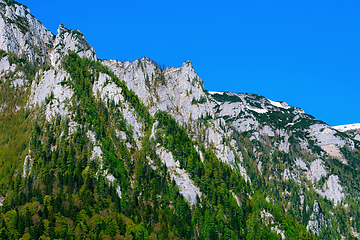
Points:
[[186, 186], [180, 92], [50, 84], [332, 189], [316, 219], [5, 67], [70, 40], [22, 33], [175, 90], [266, 142]]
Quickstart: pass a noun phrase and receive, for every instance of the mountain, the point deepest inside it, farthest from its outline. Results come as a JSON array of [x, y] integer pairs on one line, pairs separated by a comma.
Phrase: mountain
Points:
[[352, 130], [132, 150]]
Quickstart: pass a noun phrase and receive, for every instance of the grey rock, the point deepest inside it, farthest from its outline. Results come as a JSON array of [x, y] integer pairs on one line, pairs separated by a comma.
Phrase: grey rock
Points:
[[22, 33], [316, 219]]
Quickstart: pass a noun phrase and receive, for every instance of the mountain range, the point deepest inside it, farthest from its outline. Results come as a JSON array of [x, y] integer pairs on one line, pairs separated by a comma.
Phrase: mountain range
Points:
[[102, 149]]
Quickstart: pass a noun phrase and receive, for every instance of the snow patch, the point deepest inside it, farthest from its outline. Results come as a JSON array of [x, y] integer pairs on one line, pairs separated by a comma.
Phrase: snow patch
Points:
[[279, 104], [258, 110], [212, 92], [347, 127]]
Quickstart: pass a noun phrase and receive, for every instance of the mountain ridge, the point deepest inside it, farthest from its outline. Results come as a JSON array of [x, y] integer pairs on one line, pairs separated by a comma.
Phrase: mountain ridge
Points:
[[150, 144]]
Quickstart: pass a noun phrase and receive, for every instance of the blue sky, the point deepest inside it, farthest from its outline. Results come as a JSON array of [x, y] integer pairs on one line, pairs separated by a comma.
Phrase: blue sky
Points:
[[304, 52]]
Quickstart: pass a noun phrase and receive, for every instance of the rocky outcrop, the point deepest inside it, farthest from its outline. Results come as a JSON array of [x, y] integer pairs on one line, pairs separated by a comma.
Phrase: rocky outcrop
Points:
[[332, 189], [69, 40], [181, 177], [22, 33], [317, 171], [49, 86], [179, 91], [316, 219], [264, 141], [329, 141]]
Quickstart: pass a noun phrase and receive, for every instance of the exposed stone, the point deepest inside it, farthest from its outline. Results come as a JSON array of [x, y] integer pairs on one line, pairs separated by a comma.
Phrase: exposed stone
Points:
[[28, 162], [107, 89], [236, 198], [316, 219], [186, 185], [50, 83], [68, 40], [301, 164], [268, 219], [22, 33], [91, 136], [316, 171], [332, 190], [5, 67], [327, 139], [287, 175], [96, 153], [266, 130]]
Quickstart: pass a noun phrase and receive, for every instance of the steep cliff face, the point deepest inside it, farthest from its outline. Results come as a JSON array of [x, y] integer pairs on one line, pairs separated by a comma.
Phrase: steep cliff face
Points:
[[353, 130], [153, 152], [22, 33], [269, 143]]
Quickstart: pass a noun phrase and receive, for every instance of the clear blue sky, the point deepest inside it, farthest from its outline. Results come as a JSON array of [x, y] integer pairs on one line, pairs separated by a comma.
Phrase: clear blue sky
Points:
[[304, 52]]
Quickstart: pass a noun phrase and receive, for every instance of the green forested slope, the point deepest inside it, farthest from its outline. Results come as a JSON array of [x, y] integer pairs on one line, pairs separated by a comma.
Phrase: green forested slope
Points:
[[65, 194]]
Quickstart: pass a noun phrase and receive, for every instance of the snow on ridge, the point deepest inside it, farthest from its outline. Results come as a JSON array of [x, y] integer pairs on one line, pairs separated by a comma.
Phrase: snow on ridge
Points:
[[213, 92], [347, 127], [279, 104], [258, 110]]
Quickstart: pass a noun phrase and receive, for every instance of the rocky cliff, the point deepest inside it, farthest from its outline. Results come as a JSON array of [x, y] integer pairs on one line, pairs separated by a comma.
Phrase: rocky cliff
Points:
[[152, 147]]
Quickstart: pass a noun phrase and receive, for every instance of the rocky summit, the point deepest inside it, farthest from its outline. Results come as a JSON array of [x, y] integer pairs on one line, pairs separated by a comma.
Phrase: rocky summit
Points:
[[103, 149]]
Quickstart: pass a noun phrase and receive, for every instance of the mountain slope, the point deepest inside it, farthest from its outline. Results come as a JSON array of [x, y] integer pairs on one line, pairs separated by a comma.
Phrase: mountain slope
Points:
[[109, 149]]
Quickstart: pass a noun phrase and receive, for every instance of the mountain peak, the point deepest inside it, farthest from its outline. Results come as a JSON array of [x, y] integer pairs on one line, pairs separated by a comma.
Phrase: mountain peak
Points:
[[109, 149], [61, 29], [22, 33]]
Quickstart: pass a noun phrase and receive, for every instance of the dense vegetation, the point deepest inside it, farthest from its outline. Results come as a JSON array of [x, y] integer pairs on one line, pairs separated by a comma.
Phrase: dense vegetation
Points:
[[65, 192]]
